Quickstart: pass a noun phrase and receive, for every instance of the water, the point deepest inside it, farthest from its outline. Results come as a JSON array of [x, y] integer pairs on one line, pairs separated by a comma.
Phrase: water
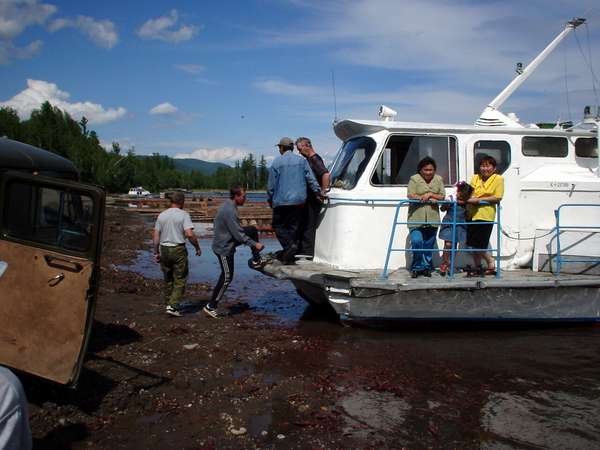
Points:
[[263, 294], [250, 196], [505, 387]]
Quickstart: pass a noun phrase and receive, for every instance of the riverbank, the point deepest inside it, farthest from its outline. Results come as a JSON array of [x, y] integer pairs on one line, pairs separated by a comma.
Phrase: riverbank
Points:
[[251, 380]]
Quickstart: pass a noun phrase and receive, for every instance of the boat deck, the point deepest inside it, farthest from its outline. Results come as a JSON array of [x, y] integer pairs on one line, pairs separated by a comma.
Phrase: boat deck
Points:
[[400, 280]]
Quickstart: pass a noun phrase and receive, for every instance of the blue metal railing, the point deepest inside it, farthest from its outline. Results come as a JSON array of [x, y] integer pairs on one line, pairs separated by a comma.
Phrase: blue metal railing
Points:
[[453, 250], [559, 258], [404, 202]]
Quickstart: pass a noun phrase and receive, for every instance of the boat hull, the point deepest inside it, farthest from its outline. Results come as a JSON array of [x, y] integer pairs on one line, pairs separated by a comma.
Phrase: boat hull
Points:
[[519, 304], [516, 296]]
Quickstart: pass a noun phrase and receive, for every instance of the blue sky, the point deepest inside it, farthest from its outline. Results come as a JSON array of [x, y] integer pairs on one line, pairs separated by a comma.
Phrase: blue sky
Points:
[[217, 80]]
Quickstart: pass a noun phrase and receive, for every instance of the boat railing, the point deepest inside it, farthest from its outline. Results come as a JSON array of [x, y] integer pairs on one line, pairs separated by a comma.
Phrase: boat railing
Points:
[[560, 259], [453, 224], [398, 204]]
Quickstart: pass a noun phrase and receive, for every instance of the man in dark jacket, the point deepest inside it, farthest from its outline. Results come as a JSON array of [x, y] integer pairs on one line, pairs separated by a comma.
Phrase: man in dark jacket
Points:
[[229, 234], [308, 228]]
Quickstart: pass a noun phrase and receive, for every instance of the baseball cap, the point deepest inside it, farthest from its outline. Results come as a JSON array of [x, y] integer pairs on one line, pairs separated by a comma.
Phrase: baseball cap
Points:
[[285, 142]]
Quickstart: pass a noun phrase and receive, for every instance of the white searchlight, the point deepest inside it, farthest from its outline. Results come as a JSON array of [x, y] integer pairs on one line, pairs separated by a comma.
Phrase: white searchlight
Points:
[[386, 113]]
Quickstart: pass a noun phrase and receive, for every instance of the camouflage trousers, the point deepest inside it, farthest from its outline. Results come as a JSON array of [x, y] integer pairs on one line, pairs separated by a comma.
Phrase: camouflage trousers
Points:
[[174, 265]]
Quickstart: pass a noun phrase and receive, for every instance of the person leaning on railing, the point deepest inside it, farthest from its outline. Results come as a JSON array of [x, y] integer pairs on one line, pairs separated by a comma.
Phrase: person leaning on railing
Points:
[[488, 186], [426, 187]]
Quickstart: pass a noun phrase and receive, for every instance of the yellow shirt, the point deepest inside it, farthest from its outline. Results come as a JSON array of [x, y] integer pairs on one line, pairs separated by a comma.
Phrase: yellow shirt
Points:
[[493, 186]]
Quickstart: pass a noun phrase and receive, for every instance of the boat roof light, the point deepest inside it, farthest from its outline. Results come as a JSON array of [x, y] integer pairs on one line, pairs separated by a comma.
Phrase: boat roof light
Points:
[[386, 113]]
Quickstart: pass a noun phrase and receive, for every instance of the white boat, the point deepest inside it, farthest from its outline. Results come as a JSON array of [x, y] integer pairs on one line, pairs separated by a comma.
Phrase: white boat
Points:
[[138, 191], [548, 240]]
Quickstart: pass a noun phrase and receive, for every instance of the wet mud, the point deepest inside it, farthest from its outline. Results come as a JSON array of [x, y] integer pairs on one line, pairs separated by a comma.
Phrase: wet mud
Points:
[[273, 373]]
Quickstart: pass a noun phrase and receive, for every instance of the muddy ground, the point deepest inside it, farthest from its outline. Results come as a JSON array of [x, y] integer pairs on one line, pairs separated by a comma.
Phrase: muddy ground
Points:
[[153, 381], [249, 381], [242, 381]]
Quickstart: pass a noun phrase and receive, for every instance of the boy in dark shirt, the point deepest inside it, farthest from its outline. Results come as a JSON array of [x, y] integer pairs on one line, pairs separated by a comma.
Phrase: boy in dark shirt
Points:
[[229, 234]]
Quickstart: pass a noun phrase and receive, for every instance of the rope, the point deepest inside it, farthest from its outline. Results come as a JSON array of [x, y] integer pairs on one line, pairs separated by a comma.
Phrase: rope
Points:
[[518, 238], [588, 63], [567, 83], [587, 30]]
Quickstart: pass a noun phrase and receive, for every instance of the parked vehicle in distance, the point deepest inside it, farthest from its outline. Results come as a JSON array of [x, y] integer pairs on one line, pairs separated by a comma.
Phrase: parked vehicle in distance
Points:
[[50, 242], [138, 191]]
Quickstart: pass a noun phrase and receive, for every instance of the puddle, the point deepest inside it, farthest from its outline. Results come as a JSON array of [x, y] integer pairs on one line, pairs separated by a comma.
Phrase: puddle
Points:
[[541, 419], [371, 411], [277, 298]]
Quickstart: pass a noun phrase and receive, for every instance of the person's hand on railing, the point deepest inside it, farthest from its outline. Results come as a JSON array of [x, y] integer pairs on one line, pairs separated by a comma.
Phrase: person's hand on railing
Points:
[[426, 198]]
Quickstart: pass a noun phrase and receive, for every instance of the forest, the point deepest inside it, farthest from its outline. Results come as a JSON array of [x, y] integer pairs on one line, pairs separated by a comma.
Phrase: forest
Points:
[[117, 169]]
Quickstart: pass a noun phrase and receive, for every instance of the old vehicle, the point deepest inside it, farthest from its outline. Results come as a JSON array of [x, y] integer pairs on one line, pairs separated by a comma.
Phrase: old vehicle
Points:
[[50, 240]]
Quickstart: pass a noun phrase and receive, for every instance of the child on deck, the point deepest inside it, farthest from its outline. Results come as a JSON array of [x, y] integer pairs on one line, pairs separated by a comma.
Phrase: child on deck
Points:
[[463, 193]]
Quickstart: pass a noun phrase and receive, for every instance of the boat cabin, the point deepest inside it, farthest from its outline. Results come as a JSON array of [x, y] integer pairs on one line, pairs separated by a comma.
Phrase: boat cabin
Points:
[[542, 169]]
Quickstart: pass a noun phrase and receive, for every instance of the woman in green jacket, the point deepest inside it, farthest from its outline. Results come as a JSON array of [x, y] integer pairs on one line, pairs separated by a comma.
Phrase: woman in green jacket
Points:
[[426, 187]]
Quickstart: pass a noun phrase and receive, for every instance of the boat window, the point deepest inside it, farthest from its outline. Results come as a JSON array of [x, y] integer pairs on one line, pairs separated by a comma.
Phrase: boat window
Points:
[[586, 147], [399, 159], [548, 147], [351, 161], [499, 150], [49, 216]]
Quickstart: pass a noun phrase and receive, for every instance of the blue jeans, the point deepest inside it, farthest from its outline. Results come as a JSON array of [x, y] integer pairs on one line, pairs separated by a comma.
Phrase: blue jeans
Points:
[[422, 238]]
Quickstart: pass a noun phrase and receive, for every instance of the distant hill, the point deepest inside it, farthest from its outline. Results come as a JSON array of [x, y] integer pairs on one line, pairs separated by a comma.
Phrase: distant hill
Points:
[[204, 167]]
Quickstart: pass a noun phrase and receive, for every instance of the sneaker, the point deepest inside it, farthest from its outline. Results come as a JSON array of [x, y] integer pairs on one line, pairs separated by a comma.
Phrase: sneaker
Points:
[[173, 311], [257, 263], [211, 312]]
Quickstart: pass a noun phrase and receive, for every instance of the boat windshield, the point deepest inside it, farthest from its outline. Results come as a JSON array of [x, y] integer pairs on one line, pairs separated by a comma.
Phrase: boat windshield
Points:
[[351, 161]]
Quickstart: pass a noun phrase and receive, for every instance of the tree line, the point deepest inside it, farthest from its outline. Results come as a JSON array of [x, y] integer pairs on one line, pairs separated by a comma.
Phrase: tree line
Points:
[[116, 170]]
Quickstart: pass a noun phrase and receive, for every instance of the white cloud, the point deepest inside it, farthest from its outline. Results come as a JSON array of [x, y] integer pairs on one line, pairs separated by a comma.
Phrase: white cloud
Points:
[[462, 44], [164, 109], [102, 32], [9, 51], [164, 28], [193, 69], [15, 17], [39, 91], [280, 87], [224, 154], [445, 60]]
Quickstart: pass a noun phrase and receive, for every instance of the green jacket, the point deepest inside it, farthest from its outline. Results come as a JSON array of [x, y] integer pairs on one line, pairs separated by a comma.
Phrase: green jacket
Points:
[[424, 212]]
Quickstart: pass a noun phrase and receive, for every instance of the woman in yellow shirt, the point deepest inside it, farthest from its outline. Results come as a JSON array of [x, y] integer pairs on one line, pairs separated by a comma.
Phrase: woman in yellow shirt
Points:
[[488, 186]]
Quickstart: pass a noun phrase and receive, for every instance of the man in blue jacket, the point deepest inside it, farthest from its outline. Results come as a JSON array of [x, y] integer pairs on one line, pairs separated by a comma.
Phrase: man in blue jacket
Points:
[[289, 177]]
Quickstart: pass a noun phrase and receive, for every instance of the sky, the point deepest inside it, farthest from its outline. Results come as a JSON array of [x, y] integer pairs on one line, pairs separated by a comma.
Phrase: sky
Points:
[[218, 80]]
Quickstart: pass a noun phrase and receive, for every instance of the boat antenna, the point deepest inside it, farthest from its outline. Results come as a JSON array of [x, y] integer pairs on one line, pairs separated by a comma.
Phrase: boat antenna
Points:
[[335, 117]]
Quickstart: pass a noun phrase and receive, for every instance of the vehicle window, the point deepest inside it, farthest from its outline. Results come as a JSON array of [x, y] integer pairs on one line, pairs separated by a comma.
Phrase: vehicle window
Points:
[[586, 147], [548, 147], [351, 161], [399, 159], [49, 216], [499, 150]]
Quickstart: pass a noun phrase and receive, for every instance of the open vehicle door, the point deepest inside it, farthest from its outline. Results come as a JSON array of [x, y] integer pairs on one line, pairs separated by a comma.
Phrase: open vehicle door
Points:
[[50, 238]]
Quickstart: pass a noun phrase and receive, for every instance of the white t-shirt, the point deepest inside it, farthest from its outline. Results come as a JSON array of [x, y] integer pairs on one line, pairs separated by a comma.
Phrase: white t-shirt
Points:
[[171, 224]]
